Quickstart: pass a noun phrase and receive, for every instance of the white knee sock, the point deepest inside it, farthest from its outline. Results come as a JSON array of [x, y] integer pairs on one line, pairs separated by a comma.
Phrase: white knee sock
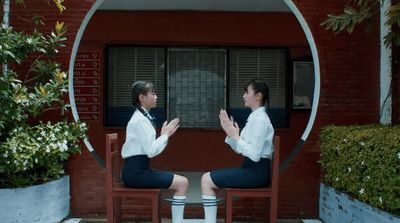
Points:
[[177, 208], [210, 208]]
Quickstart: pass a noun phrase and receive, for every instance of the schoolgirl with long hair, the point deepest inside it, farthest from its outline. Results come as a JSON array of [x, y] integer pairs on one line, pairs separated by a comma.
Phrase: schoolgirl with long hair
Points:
[[254, 142]]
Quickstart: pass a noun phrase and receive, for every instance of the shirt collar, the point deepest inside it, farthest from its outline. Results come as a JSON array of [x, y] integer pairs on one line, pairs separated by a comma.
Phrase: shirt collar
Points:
[[256, 112], [144, 109]]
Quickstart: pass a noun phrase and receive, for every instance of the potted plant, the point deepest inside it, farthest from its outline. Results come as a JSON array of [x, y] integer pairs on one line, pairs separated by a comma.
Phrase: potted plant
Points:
[[34, 147]]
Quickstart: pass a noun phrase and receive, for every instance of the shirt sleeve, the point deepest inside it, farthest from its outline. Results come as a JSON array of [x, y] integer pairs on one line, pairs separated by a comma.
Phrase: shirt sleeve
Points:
[[151, 146], [232, 143], [251, 147]]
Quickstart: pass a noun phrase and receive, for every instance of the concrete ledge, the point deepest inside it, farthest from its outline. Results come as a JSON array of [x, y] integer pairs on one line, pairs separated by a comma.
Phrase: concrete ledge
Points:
[[335, 206], [45, 203]]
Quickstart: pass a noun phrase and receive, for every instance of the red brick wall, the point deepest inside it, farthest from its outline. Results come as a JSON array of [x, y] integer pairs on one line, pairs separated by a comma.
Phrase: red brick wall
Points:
[[188, 147], [195, 28], [349, 93], [72, 17]]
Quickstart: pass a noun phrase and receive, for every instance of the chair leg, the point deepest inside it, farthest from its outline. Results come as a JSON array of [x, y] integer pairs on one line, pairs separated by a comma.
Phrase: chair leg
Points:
[[118, 211], [267, 213], [273, 209], [110, 209], [228, 208], [155, 206], [159, 207]]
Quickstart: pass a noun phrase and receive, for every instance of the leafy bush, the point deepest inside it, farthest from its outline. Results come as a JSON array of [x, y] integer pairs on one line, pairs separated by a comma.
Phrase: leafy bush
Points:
[[33, 155], [364, 161], [32, 152]]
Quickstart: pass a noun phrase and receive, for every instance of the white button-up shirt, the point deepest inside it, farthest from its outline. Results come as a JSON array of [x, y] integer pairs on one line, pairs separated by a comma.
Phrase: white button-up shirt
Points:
[[141, 138], [256, 137]]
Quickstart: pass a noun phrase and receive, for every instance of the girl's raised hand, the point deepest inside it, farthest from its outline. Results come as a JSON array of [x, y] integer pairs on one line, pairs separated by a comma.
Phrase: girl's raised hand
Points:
[[170, 128], [230, 127]]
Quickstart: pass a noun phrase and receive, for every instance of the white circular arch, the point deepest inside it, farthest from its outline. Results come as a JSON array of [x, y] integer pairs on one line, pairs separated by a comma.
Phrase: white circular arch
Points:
[[317, 83], [310, 40], [75, 47]]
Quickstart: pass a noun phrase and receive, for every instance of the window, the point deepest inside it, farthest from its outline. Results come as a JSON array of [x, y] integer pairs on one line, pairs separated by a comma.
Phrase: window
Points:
[[196, 86], [303, 84], [268, 65], [125, 65], [194, 83]]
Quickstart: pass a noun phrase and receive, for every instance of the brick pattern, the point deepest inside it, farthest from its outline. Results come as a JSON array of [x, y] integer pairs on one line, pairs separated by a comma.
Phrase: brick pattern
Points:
[[349, 95], [349, 68]]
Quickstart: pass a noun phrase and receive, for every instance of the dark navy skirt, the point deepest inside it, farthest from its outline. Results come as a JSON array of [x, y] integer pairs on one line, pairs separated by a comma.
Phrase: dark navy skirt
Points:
[[137, 173], [250, 175]]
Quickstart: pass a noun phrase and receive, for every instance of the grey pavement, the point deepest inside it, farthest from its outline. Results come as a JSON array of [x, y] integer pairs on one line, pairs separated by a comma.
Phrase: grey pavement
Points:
[[164, 220]]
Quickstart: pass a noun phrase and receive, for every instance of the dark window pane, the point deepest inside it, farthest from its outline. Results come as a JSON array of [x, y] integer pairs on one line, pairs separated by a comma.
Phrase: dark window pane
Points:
[[196, 79]]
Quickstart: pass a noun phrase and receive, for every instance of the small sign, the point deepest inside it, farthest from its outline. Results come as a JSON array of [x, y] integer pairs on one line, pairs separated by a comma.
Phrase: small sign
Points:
[[87, 99], [88, 55], [86, 73], [86, 90], [90, 81], [87, 85], [86, 64], [88, 108], [89, 117]]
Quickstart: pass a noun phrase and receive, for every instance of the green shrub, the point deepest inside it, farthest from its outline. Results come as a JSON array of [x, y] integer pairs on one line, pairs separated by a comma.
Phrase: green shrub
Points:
[[32, 83], [364, 161], [36, 154]]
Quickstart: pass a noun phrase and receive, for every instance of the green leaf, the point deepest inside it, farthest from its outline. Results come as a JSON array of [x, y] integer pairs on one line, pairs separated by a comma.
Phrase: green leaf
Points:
[[396, 41], [11, 54], [368, 25], [342, 25], [350, 10], [350, 27], [38, 20]]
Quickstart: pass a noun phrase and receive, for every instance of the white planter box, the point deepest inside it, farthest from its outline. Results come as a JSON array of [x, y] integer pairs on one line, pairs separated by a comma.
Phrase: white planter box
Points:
[[335, 206], [47, 203]]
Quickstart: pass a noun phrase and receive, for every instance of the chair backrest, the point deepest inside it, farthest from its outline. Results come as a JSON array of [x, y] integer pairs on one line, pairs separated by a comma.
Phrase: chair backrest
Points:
[[275, 165], [112, 160]]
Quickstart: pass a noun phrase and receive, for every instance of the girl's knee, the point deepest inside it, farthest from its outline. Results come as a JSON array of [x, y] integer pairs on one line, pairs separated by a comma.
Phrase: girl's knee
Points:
[[206, 180], [181, 182], [184, 182]]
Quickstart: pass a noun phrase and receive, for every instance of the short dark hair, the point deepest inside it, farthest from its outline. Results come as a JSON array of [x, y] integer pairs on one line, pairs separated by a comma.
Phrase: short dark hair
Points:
[[259, 86], [138, 88]]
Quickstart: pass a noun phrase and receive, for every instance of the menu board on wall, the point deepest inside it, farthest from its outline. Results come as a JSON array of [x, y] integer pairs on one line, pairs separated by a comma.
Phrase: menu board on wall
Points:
[[87, 85]]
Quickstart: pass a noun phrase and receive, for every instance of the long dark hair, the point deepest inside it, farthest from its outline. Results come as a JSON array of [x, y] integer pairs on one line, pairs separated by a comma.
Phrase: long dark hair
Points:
[[259, 86], [138, 88]]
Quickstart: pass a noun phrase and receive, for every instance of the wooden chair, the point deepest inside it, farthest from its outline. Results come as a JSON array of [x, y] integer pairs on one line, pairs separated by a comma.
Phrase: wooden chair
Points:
[[116, 190], [271, 192]]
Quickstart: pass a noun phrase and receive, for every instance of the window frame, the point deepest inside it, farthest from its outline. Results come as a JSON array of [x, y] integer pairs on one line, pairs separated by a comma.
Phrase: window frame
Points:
[[287, 77], [293, 72], [167, 83], [288, 84]]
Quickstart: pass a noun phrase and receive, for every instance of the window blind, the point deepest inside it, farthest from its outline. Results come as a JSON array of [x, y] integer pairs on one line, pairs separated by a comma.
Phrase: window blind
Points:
[[196, 86], [268, 65], [129, 64]]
